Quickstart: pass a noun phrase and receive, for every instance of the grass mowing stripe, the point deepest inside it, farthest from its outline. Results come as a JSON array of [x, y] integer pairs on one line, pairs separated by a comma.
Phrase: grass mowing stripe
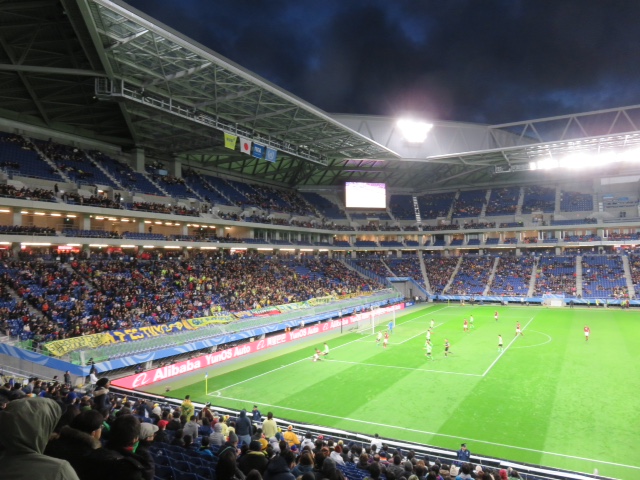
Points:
[[377, 424], [558, 403], [505, 350]]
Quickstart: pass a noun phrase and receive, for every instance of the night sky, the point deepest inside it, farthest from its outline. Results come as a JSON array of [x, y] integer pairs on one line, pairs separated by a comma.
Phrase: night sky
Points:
[[486, 61]]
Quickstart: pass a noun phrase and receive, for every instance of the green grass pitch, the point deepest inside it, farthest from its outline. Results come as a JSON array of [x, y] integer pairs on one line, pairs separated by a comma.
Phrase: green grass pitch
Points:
[[550, 398]]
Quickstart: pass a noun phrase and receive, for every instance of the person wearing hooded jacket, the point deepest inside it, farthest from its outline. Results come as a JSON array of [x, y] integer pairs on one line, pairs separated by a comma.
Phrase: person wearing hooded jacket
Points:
[[216, 438], [244, 427], [25, 427]]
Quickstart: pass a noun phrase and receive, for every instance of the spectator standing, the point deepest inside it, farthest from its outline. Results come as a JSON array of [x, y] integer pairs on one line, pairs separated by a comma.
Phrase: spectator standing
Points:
[[187, 407], [243, 427], [464, 455], [256, 416], [269, 427]]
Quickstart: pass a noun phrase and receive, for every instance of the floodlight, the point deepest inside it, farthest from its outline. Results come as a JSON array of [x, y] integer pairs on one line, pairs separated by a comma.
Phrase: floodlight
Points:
[[414, 131]]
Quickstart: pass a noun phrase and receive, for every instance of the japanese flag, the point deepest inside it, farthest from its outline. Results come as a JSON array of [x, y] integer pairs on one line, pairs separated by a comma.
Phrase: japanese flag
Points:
[[245, 145]]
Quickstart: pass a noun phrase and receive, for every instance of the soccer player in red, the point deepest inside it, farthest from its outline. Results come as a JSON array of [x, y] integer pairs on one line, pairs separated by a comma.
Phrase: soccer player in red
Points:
[[466, 326], [386, 339], [495, 315], [519, 330], [587, 331]]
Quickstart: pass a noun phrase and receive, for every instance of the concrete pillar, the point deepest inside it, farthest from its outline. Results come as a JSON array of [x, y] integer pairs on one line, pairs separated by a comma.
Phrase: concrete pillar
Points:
[[138, 158], [15, 250], [85, 222], [17, 217], [86, 251], [177, 168]]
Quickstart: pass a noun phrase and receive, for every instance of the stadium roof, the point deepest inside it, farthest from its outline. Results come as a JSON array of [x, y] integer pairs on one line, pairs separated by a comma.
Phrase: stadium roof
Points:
[[103, 70]]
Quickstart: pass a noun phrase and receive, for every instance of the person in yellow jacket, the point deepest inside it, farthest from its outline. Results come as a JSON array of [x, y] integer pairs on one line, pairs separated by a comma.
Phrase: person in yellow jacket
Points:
[[187, 408], [290, 437]]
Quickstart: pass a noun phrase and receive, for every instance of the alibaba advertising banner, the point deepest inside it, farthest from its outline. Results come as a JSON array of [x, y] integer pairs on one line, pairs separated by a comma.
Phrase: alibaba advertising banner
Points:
[[212, 359]]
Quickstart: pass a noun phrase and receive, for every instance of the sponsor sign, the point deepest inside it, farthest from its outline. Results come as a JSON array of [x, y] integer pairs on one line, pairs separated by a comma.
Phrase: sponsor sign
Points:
[[210, 360]]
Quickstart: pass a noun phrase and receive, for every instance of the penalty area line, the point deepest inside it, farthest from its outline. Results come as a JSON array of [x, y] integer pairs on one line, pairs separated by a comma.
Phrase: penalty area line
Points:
[[279, 368], [422, 432]]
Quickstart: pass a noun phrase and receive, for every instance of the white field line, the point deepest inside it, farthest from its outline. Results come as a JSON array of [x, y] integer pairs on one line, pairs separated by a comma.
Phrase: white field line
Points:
[[283, 366], [507, 348], [404, 429]]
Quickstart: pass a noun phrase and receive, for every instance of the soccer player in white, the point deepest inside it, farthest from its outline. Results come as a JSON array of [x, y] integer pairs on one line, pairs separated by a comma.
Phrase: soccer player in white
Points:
[[500, 343], [429, 334], [429, 349], [378, 338], [471, 325], [326, 349], [433, 323]]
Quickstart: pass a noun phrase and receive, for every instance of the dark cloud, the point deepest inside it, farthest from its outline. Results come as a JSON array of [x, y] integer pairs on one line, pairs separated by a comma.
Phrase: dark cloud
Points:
[[483, 61]]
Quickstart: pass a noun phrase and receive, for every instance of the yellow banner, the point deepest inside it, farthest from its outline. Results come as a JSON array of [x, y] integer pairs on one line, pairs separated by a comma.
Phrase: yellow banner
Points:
[[321, 300], [62, 347], [230, 141]]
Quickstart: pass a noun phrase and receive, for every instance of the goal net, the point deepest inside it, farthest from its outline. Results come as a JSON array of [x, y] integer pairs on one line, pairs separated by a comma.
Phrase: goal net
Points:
[[371, 319], [553, 300]]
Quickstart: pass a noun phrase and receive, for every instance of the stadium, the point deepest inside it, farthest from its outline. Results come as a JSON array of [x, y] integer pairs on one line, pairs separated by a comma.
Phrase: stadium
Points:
[[174, 226]]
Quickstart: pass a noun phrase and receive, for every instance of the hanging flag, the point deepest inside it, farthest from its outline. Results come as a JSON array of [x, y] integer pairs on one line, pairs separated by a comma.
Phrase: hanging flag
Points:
[[258, 150], [245, 145], [230, 141], [272, 154]]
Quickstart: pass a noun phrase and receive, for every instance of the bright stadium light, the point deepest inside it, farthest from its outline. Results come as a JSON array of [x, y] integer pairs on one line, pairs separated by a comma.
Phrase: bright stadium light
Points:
[[414, 131]]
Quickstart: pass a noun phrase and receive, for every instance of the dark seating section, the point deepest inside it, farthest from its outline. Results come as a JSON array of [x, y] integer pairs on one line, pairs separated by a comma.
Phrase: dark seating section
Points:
[[439, 271], [472, 276], [512, 275], [576, 202], [538, 198], [435, 205], [401, 207], [603, 276], [76, 164], [469, 203], [407, 266], [324, 206], [503, 201], [556, 275], [19, 157]]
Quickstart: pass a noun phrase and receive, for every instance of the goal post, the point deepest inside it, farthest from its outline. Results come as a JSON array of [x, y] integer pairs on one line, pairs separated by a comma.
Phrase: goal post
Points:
[[370, 319], [553, 300]]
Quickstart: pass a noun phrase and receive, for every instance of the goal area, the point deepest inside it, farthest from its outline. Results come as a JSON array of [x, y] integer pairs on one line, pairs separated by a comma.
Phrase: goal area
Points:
[[369, 320], [553, 300]]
